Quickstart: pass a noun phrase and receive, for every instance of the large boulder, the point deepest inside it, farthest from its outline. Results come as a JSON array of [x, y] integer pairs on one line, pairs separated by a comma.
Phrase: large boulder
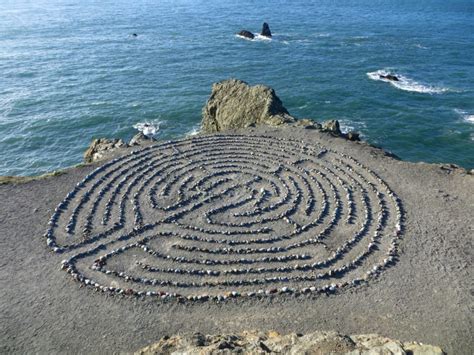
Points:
[[101, 148], [235, 104]]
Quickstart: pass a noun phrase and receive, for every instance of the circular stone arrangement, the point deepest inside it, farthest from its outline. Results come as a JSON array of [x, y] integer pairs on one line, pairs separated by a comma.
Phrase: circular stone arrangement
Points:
[[224, 216]]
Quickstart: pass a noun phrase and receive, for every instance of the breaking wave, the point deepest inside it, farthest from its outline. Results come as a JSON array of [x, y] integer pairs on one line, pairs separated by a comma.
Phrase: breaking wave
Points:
[[149, 128], [406, 84]]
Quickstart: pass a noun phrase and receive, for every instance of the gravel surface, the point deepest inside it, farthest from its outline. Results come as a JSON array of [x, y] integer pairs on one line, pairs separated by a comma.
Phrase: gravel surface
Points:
[[424, 294]]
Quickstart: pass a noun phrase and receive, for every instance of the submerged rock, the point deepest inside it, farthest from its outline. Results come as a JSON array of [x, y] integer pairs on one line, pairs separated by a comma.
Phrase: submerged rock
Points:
[[255, 342], [235, 104], [246, 34], [266, 30], [389, 77], [101, 148]]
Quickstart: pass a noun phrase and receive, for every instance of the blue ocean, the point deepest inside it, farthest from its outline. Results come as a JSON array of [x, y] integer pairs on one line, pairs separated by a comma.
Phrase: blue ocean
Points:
[[71, 71]]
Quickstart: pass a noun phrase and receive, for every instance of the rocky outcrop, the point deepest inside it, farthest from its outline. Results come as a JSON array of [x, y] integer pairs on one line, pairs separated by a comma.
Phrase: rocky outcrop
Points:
[[235, 104], [271, 342], [141, 139], [308, 124], [101, 148], [332, 126], [246, 34]]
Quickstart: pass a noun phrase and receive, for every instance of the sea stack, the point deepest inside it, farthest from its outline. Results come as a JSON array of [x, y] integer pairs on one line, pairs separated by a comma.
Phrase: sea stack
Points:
[[266, 30]]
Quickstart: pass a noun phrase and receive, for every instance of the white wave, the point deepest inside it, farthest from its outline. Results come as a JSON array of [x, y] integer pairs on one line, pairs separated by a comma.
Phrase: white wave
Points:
[[420, 46], [347, 126], [194, 131], [465, 115], [149, 129], [243, 37], [405, 83], [257, 38]]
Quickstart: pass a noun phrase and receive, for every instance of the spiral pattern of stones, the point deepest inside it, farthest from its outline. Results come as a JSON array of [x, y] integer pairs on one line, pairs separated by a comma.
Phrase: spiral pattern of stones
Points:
[[223, 216]]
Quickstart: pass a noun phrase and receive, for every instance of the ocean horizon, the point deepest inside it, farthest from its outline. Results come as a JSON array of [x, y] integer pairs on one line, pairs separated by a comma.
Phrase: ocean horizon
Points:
[[74, 71]]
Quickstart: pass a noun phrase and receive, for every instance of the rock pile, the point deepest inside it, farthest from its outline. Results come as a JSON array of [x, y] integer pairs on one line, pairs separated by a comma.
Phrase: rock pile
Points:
[[271, 342], [103, 148]]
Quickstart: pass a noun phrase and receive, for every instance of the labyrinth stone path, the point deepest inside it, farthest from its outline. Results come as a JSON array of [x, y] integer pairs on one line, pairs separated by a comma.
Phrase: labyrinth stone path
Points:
[[223, 216]]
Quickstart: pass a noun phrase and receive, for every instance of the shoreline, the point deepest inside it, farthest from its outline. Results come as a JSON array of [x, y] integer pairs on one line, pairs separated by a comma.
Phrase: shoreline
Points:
[[21, 179]]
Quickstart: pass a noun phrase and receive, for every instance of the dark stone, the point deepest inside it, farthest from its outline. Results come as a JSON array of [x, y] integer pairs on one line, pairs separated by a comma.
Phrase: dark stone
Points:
[[134, 35], [198, 339], [353, 136], [225, 345], [246, 34], [389, 77], [266, 30]]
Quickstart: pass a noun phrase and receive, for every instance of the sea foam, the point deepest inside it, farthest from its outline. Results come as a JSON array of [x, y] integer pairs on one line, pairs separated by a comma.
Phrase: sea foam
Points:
[[149, 129], [465, 115], [406, 84]]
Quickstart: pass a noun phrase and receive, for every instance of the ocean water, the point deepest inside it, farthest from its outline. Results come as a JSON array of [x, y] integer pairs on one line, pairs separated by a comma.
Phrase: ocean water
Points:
[[71, 71]]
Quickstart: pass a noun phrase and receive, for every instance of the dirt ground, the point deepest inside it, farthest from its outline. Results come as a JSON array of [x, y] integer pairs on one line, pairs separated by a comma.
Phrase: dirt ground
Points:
[[427, 296]]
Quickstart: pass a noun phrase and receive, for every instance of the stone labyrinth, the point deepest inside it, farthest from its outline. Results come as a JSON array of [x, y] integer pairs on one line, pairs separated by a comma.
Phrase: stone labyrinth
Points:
[[223, 216]]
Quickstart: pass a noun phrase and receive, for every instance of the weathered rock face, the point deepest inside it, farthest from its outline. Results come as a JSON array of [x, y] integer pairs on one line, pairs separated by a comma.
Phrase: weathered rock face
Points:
[[235, 104], [101, 148], [246, 34], [273, 343], [308, 123], [332, 126], [266, 30]]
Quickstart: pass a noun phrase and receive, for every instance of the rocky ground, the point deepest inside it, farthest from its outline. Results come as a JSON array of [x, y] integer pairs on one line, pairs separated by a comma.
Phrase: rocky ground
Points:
[[317, 343], [395, 259]]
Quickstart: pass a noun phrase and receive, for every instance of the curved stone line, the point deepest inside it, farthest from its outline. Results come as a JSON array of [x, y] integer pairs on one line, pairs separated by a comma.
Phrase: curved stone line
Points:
[[342, 216]]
